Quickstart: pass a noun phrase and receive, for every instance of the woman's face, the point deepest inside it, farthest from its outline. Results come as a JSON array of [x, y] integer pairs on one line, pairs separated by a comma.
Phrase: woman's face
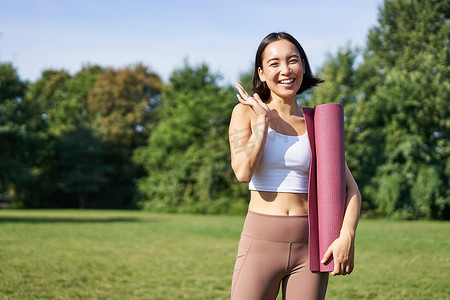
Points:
[[282, 69]]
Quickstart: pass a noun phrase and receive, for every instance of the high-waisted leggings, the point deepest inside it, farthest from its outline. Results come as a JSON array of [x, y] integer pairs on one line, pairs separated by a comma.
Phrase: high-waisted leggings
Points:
[[273, 250]]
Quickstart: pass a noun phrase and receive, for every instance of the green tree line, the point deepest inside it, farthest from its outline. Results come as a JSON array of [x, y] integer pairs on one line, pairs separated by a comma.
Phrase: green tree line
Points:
[[121, 138]]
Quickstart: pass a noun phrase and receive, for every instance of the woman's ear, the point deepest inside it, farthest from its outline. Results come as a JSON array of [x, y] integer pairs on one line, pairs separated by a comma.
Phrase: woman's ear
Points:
[[303, 66], [261, 75]]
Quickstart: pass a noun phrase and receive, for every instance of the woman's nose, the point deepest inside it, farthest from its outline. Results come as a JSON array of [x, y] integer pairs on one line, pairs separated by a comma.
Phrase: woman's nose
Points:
[[285, 69]]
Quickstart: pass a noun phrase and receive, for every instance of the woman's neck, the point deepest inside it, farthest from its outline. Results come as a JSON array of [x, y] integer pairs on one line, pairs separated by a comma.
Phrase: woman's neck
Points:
[[284, 107]]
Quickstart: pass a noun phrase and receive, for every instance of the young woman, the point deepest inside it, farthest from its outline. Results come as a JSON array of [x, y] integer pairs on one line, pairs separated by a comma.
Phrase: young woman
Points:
[[270, 151]]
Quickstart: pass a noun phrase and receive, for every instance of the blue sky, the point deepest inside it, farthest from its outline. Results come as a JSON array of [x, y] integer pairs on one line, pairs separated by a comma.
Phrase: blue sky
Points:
[[41, 34]]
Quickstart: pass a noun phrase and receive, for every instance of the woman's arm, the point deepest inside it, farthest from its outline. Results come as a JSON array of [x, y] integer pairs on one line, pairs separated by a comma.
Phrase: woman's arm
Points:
[[343, 247], [247, 134]]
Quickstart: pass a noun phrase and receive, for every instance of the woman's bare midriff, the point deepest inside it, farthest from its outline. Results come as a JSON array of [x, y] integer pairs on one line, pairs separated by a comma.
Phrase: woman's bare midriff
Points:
[[280, 204]]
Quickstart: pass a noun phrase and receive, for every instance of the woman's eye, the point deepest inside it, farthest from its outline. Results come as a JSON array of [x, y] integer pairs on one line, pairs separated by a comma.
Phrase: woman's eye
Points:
[[294, 61], [274, 65]]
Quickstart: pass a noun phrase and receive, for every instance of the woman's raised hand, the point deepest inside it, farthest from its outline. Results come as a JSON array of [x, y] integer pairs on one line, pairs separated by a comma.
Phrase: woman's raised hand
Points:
[[255, 102]]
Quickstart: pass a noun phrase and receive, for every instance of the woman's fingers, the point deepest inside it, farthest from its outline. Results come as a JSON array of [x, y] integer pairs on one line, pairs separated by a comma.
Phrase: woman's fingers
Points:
[[244, 97], [342, 268], [255, 102], [349, 268], [246, 101], [327, 255], [242, 91], [250, 102], [241, 100]]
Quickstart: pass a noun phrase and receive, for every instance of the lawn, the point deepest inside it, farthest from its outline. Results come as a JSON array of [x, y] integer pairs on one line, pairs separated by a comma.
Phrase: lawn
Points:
[[99, 254]]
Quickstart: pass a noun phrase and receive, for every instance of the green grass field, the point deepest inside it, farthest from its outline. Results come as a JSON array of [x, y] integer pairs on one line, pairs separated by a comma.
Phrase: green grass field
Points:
[[71, 254]]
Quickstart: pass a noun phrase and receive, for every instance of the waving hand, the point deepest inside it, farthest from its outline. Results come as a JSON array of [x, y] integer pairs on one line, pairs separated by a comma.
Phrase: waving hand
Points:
[[255, 102]]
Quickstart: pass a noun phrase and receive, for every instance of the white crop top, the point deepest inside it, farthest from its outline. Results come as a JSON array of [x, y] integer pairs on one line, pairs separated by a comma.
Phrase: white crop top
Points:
[[284, 165]]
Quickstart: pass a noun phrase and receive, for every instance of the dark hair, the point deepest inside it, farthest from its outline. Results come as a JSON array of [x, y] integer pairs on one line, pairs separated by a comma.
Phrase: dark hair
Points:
[[261, 87]]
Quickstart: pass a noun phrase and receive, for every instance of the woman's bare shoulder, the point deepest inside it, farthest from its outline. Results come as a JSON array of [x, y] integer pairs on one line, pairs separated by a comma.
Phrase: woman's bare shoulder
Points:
[[241, 118], [241, 108], [243, 111]]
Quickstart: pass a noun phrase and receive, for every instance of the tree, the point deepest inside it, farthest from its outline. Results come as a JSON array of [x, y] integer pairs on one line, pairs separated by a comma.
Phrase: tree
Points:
[[71, 112], [339, 75], [49, 90], [11, 87], [14, 167], [81, 169], [122, 102], [187, 157], [83, 157], [121, 108], [400, 128]]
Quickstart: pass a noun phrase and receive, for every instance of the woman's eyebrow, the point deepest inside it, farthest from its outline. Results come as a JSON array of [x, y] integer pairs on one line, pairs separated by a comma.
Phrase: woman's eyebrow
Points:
[[289, 57], [273, 58]]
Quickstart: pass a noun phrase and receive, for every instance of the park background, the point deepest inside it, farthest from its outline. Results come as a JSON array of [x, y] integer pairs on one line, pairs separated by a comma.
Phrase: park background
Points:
[[122, 137], [126, 137]]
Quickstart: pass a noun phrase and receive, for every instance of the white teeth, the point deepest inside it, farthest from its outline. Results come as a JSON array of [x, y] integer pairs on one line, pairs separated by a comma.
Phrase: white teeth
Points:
[[287, 81]]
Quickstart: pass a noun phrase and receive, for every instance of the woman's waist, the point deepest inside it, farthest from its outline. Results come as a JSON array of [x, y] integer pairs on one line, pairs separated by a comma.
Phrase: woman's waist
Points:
[[276, 228], [279, 203]]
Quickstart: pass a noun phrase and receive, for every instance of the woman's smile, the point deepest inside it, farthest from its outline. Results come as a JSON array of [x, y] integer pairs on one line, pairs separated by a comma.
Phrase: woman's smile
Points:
[[287, 82], [282, 69]]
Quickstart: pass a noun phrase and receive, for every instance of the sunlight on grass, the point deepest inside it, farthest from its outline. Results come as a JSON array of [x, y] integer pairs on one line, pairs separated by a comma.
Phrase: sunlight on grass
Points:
[[98, 254]]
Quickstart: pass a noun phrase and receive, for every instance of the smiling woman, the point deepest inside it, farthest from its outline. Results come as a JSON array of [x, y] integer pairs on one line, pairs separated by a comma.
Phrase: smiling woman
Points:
[[276, 47], [270, 150]]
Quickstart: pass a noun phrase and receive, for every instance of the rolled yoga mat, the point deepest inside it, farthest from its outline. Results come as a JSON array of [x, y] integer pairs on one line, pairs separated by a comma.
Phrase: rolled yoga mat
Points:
[[326, 194]]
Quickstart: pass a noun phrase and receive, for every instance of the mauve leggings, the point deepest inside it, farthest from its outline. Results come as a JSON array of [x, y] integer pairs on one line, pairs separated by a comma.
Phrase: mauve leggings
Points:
[[274, 250]]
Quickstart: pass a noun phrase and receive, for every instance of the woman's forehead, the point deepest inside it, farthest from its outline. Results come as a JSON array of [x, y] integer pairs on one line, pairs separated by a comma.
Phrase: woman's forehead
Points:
[[279, 49]]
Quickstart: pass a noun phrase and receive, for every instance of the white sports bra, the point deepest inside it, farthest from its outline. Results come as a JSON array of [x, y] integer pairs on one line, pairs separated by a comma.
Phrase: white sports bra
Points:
[[284, 165]]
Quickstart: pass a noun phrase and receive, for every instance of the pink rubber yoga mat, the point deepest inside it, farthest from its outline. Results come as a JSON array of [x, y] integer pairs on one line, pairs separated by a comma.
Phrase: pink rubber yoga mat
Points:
[[326, 196]]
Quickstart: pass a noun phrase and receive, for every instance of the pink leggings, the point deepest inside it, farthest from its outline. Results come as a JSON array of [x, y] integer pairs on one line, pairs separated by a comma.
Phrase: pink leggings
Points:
[[274, 250]]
